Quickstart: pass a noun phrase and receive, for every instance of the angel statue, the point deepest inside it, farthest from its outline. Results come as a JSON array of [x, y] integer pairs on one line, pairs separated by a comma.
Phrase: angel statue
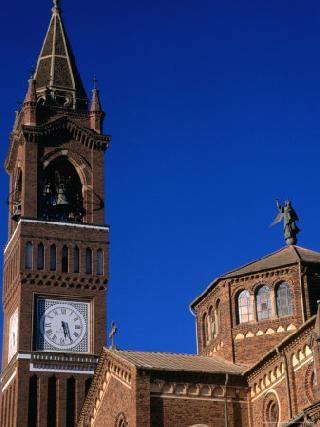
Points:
[[289, 217]]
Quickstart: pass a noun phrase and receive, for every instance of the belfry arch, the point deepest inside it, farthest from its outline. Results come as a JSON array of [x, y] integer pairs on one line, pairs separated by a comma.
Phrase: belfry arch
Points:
[[61, 191]]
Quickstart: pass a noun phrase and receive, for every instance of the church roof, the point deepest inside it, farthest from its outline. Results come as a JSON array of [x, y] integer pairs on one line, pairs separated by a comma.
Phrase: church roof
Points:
[[56, 67], [178, 362], [285, 256]]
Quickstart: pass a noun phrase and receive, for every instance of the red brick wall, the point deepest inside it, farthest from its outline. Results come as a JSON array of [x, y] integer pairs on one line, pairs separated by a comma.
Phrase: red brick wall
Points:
[[117, 398], [174, 412]]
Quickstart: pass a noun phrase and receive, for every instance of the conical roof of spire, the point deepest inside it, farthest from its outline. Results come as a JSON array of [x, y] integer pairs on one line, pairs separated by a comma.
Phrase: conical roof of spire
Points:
[[56, 67], [95, 100]]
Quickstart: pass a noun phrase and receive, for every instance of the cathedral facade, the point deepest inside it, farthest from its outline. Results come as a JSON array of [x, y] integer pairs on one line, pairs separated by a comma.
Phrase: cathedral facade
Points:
[[258, 326]]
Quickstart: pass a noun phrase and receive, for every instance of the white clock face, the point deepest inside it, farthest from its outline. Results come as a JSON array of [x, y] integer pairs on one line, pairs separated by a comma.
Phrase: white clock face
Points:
[[13, 335], [62, 325]]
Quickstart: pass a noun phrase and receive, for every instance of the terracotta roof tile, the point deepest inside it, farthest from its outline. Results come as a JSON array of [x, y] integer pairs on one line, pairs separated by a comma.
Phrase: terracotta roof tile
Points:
[[178, 362], [285, 256]]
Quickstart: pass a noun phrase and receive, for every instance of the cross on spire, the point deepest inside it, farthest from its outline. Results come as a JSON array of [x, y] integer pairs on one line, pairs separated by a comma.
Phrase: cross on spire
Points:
[[112, 334]]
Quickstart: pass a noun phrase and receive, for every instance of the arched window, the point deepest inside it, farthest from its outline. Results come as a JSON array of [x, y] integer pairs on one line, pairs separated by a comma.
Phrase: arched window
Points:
[[16, 197], [52, 402], [53, 258], [205, 326], [33, 400], [212, 323], [28, 255], [61, 192], [264, 310], [65, 259], [245, 312], [271, 412], [88, 261], [284, 305], [40, 257], [71, 406], [99, 262], [76, 260], [121, 420], [217, 316]]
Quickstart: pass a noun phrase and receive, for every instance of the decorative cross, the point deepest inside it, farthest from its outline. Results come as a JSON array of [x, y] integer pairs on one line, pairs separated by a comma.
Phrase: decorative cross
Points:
[[112, 334]]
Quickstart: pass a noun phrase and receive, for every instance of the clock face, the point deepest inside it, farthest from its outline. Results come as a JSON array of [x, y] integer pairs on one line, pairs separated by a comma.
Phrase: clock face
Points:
[[62, 325], [13, 335]]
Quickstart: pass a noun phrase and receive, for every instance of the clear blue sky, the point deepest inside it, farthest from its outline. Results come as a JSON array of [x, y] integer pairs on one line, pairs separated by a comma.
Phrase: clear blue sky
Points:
[[214, 109]]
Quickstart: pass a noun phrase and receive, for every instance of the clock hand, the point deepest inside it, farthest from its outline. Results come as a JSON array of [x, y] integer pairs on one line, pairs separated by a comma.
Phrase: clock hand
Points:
[[68, 331], [64, 327]]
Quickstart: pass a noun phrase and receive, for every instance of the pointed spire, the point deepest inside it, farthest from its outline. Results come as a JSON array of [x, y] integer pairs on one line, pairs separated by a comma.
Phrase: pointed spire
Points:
[[96, 113], [56, 67], [95, 101], [30, 104], [31, 96], [56, 8]]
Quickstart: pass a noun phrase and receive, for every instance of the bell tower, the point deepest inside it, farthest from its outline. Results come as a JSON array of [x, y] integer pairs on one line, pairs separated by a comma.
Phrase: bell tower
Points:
[[56, 257]]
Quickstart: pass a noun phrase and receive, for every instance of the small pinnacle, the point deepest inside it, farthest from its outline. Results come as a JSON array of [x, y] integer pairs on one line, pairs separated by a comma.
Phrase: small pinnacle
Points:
[[56, 8], [95, 81]]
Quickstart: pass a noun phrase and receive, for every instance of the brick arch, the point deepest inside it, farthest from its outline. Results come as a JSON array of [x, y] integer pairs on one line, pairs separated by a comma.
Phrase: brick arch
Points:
[[308, 383], [259, 285], [121, 420], [271, 396], [81, 165]]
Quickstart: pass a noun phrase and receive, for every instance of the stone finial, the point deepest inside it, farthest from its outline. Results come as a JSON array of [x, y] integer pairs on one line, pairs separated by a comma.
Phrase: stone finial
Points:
[[56, 8], [96, 113]]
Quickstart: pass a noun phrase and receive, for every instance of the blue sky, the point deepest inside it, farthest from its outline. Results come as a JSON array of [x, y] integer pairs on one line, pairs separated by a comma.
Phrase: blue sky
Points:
[[214, 111]]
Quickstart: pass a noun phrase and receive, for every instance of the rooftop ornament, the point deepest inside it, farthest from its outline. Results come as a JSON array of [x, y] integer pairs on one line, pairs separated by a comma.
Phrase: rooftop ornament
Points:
[[289, 217]]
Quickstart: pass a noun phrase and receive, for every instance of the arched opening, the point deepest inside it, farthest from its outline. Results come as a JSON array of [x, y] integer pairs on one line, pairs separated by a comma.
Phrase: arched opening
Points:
[[40, 257], [205, 328], [121, 420], [52, 402], [60, 197], [272, 413], [65, 259], [16, 197], [71, 406], [88, 261], [244, 307], [28, 255], [99, 262], [217, 317], [283, 296], [76, 260], [264, 309], [53, 258], [33, 401]]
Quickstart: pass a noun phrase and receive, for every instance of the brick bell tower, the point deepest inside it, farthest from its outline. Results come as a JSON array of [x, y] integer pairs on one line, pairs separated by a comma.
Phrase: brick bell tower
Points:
[[56, 258]]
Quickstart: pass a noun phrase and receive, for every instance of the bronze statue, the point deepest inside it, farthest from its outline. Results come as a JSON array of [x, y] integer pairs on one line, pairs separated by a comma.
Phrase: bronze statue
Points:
[[289, 217]]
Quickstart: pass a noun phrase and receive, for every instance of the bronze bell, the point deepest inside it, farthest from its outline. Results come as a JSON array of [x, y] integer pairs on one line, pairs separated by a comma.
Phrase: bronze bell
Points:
[[62, 198]]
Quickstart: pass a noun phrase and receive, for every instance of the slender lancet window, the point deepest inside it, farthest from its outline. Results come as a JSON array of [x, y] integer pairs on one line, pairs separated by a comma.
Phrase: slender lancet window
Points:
[[40, 257], [212, 322], [205, 325], [99, 262], [65, 259], [88, 261], [28, 255], [76, 260], [284, 305], [264, 310], [245, 312], [53, 258]]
